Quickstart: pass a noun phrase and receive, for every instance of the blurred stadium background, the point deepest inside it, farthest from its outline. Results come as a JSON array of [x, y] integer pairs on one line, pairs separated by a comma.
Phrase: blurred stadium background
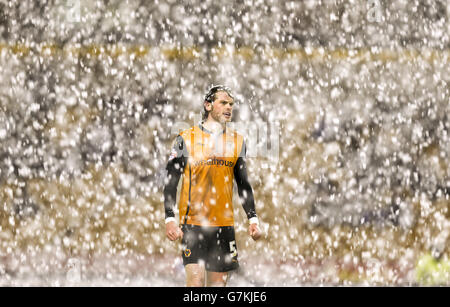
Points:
[[90, 91]]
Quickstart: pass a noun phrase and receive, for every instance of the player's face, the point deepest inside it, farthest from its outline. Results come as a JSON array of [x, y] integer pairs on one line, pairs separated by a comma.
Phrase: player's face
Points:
[[222, 108]]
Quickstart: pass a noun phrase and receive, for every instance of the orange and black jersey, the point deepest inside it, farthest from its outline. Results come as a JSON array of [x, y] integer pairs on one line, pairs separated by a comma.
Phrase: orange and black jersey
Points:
[[208, 164]]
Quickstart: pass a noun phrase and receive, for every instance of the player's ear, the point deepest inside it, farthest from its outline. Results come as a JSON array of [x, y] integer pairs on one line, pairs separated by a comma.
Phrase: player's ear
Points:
[[207, 105]]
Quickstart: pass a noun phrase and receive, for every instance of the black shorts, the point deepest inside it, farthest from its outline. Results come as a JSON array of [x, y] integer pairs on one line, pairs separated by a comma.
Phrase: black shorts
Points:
[[213, 246]]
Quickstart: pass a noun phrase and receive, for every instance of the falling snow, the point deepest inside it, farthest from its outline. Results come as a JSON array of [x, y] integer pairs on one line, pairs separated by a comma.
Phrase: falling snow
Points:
[[92, 97]]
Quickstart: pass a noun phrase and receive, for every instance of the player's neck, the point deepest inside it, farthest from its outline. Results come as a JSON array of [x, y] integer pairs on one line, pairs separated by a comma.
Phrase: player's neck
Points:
[[214, 126]]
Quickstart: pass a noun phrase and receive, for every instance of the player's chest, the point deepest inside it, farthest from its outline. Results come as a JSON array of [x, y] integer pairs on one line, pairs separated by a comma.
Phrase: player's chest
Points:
[[207, 147]]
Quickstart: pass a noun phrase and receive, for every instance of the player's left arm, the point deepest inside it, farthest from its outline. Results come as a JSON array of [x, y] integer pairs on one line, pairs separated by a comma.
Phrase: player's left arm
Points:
[[246, 194]]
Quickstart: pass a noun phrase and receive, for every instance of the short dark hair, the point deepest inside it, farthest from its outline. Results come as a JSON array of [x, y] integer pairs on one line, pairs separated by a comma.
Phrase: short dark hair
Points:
[[210, 96]]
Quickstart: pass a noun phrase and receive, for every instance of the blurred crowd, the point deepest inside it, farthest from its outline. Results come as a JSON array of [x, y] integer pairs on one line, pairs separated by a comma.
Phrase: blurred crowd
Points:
[[330, 23]]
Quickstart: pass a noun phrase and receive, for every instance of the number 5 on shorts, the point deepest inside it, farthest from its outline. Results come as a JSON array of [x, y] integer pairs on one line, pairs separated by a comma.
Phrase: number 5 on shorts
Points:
[[233, 250]]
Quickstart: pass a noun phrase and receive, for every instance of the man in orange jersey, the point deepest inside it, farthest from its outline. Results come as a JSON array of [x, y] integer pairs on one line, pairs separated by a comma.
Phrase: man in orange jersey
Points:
[[209, 156]]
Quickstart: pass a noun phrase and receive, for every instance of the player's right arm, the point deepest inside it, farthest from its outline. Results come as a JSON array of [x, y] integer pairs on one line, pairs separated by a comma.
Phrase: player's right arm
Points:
[[175, 167]]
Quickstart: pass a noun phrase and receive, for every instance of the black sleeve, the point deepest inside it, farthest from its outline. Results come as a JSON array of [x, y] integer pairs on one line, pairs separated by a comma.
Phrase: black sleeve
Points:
[[175, 167], [244, 188]]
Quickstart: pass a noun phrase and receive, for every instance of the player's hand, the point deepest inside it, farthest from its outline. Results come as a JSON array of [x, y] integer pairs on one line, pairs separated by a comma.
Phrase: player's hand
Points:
[[173, 232], [254, 231]]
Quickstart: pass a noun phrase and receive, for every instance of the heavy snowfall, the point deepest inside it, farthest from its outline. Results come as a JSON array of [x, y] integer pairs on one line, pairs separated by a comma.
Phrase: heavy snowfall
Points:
[[350, 169]]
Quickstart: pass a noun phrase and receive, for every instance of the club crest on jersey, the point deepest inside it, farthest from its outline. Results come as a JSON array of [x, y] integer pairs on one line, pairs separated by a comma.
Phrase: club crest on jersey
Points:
[[230, 146], [187, 252]]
